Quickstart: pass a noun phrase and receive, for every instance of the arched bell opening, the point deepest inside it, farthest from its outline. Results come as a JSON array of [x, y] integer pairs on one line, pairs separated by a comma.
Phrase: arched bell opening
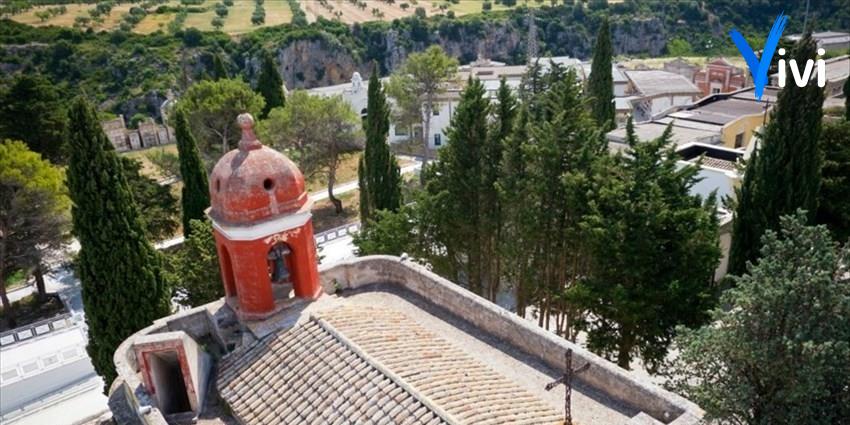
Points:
[[279, 260], [227, 272]]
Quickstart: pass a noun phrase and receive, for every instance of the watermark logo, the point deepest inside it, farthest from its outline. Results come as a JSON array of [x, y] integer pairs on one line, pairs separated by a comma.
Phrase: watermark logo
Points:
[[759, 67]]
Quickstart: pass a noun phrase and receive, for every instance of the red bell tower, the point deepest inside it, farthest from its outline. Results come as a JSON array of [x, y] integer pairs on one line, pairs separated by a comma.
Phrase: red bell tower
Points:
[[263, 228]]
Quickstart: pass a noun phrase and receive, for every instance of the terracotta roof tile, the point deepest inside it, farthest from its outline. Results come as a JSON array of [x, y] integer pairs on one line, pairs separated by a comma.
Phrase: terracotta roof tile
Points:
[[305, 375], [369, 365]]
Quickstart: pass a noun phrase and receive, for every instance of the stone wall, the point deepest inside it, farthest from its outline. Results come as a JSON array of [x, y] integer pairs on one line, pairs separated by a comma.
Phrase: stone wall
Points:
[[129, 402], [603, 375]]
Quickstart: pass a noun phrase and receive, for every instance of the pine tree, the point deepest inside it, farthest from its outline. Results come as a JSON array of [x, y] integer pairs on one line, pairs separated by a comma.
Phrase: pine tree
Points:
[[378, 172], [270, 85], [196, 193], [32, 99], [122, 283], [784, 174], [601, 84], [653, 251], [219, 72], [776, 348]]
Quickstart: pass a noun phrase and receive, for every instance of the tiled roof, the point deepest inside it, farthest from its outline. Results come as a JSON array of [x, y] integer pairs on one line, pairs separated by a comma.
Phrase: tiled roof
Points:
[[467, 389], [307, 375], [370, 365], [719, 163]]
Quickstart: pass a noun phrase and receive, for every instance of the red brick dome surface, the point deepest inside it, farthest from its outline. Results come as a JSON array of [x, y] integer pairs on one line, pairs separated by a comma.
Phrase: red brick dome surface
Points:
[[254, 183]]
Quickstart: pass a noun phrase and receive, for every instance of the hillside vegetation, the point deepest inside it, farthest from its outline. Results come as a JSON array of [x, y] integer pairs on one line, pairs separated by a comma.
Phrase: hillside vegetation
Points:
[[129, 73]]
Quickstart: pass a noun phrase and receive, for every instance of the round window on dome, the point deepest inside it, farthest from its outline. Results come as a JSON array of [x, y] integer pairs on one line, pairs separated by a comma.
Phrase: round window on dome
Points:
[[268, 184]]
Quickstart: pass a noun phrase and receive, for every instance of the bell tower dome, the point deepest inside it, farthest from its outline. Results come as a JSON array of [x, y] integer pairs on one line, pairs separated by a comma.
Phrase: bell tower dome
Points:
[[263, 228]]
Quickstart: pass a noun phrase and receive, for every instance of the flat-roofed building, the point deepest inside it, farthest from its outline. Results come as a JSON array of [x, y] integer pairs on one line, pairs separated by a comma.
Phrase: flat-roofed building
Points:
[[837, 72], [658, 91], [682, 67], [737, 117], [651, 130], [720, 76], [730, 120], [833, 41]]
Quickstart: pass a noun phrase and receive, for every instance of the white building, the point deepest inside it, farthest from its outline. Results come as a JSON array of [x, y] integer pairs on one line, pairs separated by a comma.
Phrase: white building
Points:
[[655, 92], [829, 40], [719, 174], [642, 93]]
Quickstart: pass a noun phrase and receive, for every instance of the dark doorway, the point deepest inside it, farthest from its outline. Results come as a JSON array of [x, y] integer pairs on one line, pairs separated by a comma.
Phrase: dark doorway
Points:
[[168, 384]]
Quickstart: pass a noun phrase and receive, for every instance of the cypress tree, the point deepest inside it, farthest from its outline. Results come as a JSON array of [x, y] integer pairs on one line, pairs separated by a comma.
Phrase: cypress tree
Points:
[[847, 99], [219, 72], [510, 186], [270, 85], [834, 203], [491, 208], [784, 174], [378, 172], [557, 155], [455, 185], [601, 83], [196, 192], [365, 200], [122, 282]]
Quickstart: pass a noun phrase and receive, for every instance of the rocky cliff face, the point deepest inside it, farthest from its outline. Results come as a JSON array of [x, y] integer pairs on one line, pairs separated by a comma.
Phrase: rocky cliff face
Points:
[[319, 62], [648, 36], [315, 63]]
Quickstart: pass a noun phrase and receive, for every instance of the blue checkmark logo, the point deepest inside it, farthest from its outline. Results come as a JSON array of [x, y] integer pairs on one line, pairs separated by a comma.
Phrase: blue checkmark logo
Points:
[[758, 68]]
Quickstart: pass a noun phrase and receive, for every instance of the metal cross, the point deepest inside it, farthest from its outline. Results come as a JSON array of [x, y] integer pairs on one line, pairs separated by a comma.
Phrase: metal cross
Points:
[[567, 380]]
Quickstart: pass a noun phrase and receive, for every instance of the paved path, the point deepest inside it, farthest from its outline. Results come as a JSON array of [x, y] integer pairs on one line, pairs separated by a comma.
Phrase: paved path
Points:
[[60, 280]]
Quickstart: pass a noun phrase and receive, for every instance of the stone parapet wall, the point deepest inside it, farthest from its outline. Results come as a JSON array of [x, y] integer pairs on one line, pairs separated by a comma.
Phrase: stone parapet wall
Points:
[[128, 398], [529, 338]]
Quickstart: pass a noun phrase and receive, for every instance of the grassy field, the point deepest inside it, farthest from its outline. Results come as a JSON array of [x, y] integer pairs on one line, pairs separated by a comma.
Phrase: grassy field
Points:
[[353, 14], [115, 15], [324, 214], [658, 63], [64, 20], [110, 22], [466, 7], [202, 21], [346, 172], [141, 155], [153, 22], [237, 21], [277, 12]]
